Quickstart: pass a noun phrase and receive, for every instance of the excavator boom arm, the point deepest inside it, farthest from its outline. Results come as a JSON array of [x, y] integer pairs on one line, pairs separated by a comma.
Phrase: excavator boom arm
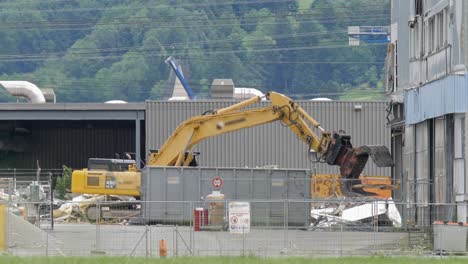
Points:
[[199, 128], [235, 118]]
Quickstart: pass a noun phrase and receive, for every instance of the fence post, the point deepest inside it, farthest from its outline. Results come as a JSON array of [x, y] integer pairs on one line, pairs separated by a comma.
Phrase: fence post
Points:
[[10, 189], [51, 208], [176, 248], [98, 220], [375, 218], [285, 225], [47, 242], [192, 232], [146, 238], [14, 176], [243, 241], [341, 239]]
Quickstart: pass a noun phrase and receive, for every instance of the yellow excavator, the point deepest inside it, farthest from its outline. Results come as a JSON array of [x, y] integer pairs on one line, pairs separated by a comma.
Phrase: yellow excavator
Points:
[[120, 177]]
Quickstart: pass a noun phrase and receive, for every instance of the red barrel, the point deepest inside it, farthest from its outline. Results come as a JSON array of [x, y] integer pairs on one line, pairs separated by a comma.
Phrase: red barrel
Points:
[[200, 218]]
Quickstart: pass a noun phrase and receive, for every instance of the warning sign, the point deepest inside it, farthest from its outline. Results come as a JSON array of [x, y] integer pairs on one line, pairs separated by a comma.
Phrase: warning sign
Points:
[[234, 220], [239, 217], [217, 182]]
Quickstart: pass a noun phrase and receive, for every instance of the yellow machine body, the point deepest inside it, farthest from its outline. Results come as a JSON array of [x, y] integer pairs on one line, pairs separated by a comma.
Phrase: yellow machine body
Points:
[[106, 182], [330, 186]]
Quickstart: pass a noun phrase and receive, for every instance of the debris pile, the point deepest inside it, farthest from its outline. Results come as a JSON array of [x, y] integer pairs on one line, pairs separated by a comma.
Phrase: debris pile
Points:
[[355, 213], [83, 208], [24, 199], [32, 202]]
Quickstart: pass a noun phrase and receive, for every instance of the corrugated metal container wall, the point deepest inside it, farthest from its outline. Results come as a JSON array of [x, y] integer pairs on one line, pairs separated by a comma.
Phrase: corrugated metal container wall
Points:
[[71, 143], [270, 144], [265, 188]]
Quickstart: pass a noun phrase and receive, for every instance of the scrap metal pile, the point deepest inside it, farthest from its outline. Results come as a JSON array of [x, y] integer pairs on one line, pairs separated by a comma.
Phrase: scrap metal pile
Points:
[[32, 202], [23, 198], [373, 203], [359, 214]]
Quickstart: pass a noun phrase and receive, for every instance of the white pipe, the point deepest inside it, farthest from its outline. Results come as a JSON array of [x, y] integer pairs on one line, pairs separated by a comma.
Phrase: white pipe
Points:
[[115, 102], [246, 93], [25, 89]]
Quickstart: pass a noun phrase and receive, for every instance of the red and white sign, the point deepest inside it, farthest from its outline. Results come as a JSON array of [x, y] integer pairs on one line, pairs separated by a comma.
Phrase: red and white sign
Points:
[[217, 182], [234, 220], [239, 217]]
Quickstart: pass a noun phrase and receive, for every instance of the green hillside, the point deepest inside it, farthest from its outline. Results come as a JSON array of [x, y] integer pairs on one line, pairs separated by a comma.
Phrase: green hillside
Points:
[[93, 51]]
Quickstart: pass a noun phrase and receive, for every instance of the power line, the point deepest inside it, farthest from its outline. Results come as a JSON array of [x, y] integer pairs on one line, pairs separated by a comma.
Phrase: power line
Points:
[[170, 18], [132, 53], [57, 82], [300, 62], [190, 5], [145, 24], [78, 51]]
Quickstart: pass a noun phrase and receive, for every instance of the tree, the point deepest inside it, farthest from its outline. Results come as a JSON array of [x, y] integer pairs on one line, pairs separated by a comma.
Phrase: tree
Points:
[[63, 184]]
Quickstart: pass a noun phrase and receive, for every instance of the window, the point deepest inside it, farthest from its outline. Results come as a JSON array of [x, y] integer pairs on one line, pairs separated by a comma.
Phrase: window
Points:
[[92, 181], [415, 50], [436, 32], [441, 31], [431, 35], [418, 7]]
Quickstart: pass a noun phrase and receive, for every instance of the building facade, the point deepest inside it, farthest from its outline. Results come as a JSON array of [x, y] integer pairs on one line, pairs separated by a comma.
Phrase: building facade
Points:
[[427, 82]]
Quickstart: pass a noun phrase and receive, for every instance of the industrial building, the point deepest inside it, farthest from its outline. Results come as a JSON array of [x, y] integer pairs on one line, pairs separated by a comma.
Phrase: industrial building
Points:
[[68, 134], [427, 82]]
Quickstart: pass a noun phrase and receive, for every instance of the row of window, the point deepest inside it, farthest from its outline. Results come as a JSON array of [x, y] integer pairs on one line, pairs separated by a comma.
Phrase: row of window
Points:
[[429, 35]]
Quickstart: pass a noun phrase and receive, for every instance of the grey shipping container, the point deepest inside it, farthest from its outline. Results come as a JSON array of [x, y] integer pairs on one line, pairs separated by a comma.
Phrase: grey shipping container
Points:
[[170, 194]]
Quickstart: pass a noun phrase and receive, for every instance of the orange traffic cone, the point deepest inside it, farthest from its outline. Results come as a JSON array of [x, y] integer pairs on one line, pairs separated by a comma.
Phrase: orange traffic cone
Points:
[[162, 248]]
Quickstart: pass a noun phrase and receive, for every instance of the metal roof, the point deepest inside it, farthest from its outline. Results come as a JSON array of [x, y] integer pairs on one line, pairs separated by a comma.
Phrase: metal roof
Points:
[[72, 111]]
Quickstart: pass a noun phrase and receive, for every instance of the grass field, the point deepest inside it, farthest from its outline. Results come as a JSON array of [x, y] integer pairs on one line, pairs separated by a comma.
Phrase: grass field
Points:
[[234, 260]]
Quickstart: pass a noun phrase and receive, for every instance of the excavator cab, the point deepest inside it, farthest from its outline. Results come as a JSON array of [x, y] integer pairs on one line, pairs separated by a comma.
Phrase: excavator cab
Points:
[[111, 164]]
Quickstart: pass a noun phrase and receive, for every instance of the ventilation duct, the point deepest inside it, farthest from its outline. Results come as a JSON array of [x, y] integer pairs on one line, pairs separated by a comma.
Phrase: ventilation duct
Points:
[[24, 89], [246, 93]]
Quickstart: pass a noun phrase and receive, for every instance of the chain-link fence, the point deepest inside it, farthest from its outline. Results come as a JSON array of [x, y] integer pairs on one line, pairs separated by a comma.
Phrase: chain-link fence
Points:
[[342, 227]]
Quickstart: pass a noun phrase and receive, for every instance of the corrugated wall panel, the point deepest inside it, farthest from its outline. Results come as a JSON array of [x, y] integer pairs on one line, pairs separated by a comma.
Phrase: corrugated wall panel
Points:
[[440, 180], [422, 164], [445, 96], [270, 144], [71, 143]]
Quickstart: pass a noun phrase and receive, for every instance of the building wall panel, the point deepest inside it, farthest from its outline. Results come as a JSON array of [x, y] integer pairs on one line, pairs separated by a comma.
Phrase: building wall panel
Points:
[[70, 143], [422, 164], [440, 176], [445, 96]]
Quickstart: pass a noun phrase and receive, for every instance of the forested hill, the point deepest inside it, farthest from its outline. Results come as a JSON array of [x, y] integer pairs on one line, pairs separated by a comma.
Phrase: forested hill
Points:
[[95, 50]]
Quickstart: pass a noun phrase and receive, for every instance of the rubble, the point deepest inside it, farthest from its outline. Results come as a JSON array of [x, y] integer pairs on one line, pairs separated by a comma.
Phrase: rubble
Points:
[[76, 210], [349, 212], [26, 200]]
